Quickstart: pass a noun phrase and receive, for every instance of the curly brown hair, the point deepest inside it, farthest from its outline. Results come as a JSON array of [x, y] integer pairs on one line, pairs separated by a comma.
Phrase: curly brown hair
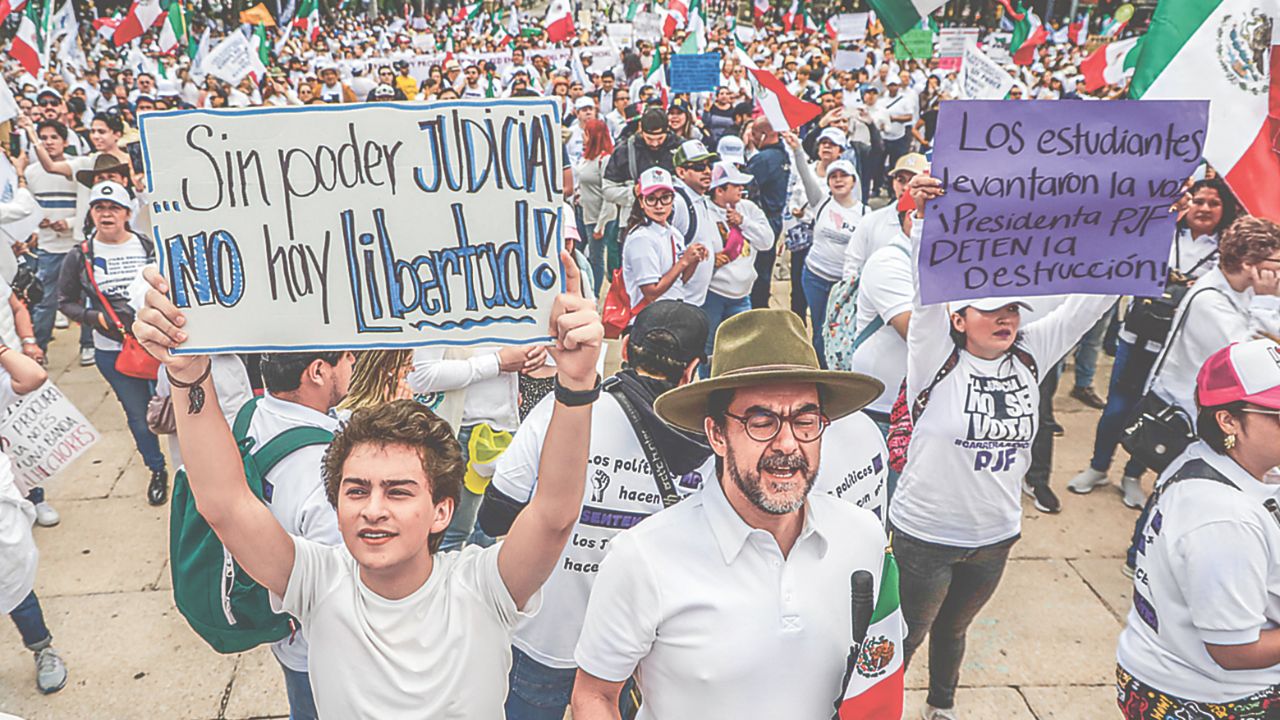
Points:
[[1248, 240], [402, 423]]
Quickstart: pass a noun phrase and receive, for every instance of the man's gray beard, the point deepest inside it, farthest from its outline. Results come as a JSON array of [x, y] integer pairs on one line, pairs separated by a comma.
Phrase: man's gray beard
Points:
[[751, 487]]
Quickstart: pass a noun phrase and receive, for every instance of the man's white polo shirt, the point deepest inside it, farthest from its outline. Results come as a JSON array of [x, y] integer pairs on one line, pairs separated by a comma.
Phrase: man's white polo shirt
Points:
[[717, 622]]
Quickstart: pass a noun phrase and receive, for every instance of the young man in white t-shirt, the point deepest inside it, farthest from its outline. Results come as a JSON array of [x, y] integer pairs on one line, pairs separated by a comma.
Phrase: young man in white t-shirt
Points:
[[662, 351], [396, 629]]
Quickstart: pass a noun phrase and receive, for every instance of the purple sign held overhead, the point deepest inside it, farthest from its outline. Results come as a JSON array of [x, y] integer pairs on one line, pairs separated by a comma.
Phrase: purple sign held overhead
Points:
[[1055, 197]]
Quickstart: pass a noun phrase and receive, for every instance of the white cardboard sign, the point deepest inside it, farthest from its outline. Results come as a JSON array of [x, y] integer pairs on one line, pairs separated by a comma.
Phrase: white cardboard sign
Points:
[[981, 78], [382, 225], [42, 433]]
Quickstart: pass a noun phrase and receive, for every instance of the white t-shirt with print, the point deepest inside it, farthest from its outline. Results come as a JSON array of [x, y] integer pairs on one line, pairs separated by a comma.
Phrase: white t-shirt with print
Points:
[[442, 652], [876, 230], [855, 463], [619, 493], [962, 485], [648, 252], [833, 226], [885, 290], [1208, 571], [114, 268]]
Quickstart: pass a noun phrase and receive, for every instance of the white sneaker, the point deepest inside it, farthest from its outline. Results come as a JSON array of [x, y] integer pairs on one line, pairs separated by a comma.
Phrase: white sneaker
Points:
[[1086, 481], [61, 322], [86, 357], [46, 516], [932, 713], [51, 671], [1134, 497]]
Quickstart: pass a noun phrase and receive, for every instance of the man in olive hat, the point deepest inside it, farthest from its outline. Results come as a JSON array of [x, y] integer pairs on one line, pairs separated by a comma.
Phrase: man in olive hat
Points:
[[736, 601]]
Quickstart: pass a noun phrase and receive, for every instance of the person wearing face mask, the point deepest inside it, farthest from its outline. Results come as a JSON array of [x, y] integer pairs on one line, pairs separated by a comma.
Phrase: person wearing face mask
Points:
[[836, 214], [1201, 639], [1211, 209], [973, 388]]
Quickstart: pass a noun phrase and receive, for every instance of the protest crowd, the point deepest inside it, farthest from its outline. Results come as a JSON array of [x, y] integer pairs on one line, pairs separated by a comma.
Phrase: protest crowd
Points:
[[754, 516]]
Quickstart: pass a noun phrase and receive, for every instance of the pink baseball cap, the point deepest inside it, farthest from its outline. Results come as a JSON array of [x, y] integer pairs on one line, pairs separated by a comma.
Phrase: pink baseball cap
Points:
[[1247, 371], [655, 179]]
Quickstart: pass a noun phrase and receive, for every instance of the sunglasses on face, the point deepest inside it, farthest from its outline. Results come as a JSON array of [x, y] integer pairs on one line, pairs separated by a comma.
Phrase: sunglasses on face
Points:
[[49, 103], [701, 166]]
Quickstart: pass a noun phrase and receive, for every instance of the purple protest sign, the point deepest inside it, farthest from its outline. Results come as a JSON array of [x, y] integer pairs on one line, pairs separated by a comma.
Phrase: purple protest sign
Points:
[[1055, 197]]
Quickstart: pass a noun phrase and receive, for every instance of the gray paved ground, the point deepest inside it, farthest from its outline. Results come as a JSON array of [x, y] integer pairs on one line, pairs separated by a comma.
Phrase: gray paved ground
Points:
[[1044, 647]]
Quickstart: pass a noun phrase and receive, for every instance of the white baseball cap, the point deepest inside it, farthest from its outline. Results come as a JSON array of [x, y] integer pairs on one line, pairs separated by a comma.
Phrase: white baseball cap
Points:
[[583, 102], [725, 172], [836, 136], [843, 166], [732, 148], [111, 192], [990, 304], [655, 179]]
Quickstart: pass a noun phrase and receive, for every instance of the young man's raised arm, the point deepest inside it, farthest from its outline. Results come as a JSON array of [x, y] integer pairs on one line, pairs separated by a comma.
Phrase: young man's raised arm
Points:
[[212, 459], [538, 536]]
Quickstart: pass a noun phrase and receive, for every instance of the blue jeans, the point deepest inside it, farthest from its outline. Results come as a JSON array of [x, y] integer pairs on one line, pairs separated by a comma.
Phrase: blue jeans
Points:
[[48, 265], [539, 692], [816, 291], [1125, 390], [1088, 349], [302, 705], [719, 308], [30, 621], [463, 528], [597, 252], [133, 394]]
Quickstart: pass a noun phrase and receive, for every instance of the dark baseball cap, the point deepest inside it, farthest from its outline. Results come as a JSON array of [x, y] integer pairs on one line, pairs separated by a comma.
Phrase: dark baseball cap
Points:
[[654, 120], [671, 328]]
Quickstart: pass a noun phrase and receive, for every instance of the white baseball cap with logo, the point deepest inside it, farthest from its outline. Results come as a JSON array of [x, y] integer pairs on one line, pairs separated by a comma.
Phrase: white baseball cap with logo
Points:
[[990, 304], [732, 148], [726, 173], [655, 179], [835, 136], [112, 192]]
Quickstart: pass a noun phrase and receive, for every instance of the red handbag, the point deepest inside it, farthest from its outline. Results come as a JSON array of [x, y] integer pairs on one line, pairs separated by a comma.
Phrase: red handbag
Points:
[[617, 311], [133, 360]]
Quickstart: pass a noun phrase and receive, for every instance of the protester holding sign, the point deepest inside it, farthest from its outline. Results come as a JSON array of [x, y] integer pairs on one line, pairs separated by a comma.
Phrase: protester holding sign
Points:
[[957, 511], [99, 270], [386, 605], [19, 557]]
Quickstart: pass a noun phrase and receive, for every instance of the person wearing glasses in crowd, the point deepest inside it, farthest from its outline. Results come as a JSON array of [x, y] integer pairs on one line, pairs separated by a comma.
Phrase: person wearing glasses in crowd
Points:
[[1201, 639], [973, 387], [656, 263], [735, 602]]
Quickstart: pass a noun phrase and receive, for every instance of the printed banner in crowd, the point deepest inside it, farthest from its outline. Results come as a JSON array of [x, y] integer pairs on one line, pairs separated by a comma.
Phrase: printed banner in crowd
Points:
[[981, 78], [380, 225], [420, 65], [42, 433], [1055, 197], [695, 73]]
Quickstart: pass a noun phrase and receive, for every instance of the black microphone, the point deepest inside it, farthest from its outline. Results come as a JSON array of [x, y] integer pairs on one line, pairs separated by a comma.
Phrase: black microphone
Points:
[[863, 592]]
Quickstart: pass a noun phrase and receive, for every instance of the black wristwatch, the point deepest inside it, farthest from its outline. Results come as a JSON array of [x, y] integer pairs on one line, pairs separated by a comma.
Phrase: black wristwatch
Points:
[[577, 398]]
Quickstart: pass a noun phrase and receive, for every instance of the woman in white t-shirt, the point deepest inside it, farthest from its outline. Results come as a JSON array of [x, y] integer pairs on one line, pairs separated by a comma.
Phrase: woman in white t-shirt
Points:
[[19, 557], [116, 255], [655, 262], [973, 387], [837, 211], [744, 230], [1202, 640]]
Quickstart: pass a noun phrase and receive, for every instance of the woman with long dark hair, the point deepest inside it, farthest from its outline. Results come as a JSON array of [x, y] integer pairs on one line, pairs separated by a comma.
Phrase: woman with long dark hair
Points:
[[655, 262]]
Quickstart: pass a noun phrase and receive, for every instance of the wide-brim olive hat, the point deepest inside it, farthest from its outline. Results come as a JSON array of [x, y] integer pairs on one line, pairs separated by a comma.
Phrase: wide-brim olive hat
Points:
[[765, 347]]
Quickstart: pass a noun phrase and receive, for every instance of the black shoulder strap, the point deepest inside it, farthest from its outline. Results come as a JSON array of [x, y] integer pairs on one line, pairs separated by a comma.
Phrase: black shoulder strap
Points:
[[917, 407], [657, 464], [1182, 320], [690, 232], [1024, 357], [1195, 469]]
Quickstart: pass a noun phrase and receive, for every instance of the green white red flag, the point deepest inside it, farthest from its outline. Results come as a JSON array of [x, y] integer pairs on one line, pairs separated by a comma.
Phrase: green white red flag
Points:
[[899, 16], [308, 19], [1028, 34], [1228, 52], [1110, 64], [874, 687], [141, 16]]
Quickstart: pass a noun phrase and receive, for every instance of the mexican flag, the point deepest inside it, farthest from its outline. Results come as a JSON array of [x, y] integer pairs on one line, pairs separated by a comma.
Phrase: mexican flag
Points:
[[899, 16], [785, 111], [173, 30], [28, 44], [468, 11], [1111, 63], [1078, 31], [804, 24], [261, 46], [1224, 51], [1112, 27], [632, 9], [696, 25], [559, 21], [789, 17], [677, 15], [1028, 34], [874, 684], [106, 26], [141, 16], [308, 19], [656, 77], [759, 8]]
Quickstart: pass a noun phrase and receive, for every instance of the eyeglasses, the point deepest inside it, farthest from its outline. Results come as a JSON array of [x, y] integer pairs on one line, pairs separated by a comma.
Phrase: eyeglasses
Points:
[[50, 103], [764, 425], [702, 166], [659, 199]]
